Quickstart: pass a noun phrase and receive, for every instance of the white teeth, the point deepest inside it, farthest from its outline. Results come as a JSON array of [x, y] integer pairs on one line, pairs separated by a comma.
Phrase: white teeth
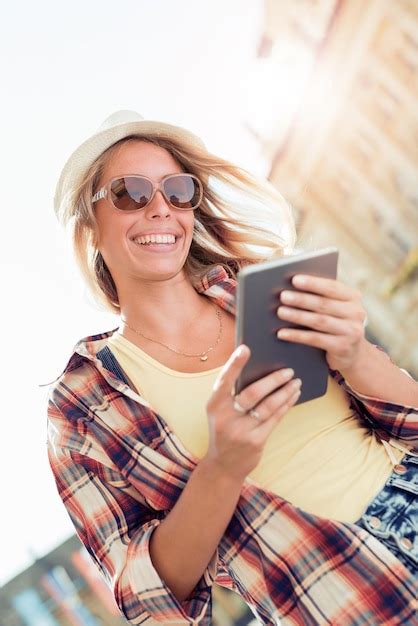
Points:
[[155, 239]]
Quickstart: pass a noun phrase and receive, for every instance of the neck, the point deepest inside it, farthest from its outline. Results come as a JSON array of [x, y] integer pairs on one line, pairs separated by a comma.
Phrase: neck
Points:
[[165, 310]]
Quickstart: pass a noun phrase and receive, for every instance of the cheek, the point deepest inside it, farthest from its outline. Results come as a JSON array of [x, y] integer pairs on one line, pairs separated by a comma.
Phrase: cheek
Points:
[[110, 223], [189, 224], [111, 235]]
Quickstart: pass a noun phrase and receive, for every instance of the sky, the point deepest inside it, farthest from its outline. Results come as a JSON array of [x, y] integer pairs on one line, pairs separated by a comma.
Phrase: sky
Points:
[[65, 67]]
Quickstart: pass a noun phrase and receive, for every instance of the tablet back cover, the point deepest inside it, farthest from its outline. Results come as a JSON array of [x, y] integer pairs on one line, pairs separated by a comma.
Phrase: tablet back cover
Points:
[[258, 292]]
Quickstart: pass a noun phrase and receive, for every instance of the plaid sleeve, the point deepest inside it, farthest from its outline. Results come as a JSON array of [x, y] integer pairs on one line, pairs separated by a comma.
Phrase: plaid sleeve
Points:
[[397, 420], [115, 524]]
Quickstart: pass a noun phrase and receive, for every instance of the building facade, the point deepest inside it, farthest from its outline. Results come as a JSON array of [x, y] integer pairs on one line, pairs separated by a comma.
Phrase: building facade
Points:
[[342, 141]]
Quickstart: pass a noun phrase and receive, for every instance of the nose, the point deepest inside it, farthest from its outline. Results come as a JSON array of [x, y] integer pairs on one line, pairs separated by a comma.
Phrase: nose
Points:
[[158, 205]]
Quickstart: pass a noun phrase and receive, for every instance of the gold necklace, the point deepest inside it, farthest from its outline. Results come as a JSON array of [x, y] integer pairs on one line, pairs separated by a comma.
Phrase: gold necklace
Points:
[[202, 355]]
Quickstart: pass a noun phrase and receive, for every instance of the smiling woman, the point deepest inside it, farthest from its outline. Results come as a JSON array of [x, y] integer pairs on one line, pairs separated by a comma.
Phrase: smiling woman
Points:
[[134, 210], [171, 482], [223, 240]]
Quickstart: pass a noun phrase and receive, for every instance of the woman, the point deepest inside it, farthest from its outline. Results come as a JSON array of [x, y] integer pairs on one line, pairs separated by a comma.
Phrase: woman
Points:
[[172, 483]]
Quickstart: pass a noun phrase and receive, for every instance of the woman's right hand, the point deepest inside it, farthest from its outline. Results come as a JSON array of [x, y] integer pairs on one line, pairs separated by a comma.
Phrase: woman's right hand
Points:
[[236, 439]]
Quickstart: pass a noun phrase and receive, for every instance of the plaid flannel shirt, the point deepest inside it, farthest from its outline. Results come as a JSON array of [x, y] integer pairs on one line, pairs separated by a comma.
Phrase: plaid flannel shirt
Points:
[[119, 470]]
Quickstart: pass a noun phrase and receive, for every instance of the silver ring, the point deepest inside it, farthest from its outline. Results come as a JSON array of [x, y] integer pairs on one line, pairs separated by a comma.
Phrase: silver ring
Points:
[[238, 407], [254, 413]]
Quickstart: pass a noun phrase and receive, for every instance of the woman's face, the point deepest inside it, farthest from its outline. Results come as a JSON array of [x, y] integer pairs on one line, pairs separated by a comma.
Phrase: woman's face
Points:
[[125, 258]]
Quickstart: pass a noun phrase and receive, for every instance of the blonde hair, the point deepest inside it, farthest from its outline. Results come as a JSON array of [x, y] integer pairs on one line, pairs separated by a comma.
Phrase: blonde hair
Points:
[[253, 224]]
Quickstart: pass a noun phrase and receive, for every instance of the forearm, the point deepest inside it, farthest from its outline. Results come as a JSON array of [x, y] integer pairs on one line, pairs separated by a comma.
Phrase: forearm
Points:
[[375, 375], [182, 546]]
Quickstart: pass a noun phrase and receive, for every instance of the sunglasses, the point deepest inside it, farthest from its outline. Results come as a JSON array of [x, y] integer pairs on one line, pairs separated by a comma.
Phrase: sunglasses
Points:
[[130, 193]]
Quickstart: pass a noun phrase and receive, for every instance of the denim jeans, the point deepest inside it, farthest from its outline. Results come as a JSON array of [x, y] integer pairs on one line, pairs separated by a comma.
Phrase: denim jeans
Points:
[[392, 517]]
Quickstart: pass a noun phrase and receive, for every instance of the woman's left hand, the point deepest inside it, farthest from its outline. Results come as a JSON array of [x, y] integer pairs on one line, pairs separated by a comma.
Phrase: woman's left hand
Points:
[[335, 313]]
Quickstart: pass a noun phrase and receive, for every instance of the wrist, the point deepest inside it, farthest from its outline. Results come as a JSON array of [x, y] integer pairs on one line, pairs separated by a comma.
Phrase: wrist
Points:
[[365, 353], [217, 474]]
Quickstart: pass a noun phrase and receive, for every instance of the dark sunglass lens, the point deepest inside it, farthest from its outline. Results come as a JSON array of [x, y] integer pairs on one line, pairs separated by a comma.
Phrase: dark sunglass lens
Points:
[[183, 191], [130, 192]]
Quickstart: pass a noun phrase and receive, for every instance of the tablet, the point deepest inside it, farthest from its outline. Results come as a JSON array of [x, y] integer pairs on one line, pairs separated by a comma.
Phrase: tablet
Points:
[[257, 323]]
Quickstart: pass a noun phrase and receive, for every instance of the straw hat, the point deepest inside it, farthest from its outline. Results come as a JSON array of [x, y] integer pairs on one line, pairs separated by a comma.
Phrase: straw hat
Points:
[[115, 127]]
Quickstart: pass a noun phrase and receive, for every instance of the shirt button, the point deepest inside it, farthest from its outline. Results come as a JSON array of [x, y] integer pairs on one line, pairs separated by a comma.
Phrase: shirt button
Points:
[[399, 469], [406, 543], [374, 522]]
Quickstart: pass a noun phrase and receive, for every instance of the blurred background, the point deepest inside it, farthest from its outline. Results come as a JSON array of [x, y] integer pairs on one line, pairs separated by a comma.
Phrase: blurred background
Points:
[[319, 96]]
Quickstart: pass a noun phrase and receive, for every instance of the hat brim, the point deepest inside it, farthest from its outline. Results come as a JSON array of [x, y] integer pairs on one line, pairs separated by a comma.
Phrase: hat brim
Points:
[[83, 157]]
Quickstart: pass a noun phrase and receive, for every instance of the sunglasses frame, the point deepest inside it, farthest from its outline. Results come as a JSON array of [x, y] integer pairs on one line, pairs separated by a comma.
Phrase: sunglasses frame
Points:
[[105, 190]]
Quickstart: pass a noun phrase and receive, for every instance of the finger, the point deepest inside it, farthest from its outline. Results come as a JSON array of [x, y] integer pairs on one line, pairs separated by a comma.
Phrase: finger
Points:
[[274, 401], [326, 286], [263, 428], [318, 321], [230, 371], [335, 344], [251, 395], [321, 304]]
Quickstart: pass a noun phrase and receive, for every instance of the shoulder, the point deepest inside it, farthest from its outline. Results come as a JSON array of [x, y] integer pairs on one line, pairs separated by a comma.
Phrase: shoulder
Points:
[[220, 286], [86, 349], [79, 385]]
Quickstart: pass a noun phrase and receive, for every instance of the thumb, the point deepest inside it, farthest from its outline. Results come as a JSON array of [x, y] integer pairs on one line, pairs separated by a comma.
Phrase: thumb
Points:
[[229, 373]]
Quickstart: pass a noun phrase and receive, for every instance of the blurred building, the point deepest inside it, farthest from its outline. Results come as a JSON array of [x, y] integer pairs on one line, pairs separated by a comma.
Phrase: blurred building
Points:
[[335, 109], [64, 588]]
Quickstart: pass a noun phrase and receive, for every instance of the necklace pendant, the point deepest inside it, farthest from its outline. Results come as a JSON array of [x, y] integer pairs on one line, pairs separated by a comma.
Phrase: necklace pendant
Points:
[[204, 357]]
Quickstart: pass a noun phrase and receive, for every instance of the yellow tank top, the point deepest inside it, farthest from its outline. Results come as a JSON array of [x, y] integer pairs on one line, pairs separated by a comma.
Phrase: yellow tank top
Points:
[[321, 457]]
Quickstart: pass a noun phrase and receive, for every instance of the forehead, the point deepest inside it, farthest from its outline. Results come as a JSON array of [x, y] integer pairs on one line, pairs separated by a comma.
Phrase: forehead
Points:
[[141, 157]]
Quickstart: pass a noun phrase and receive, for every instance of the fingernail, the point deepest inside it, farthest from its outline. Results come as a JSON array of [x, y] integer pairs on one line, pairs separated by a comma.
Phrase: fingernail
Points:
[[287, 296], [240, 350], [300, 280]]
